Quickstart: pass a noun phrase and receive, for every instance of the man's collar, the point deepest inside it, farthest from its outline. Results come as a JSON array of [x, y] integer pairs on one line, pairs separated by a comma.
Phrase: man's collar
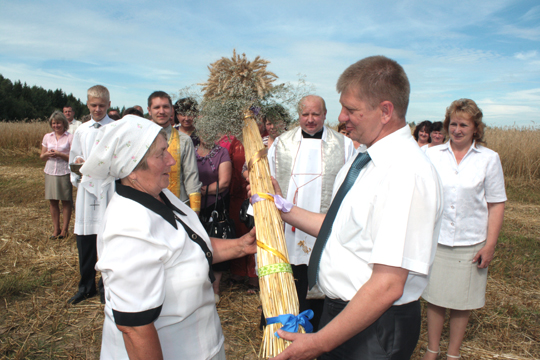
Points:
[[385, 149], [168, 130], [298, 136], [317, 135]]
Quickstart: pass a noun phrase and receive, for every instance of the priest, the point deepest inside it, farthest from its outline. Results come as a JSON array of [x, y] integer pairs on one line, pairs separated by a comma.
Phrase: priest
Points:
[[305, 162]]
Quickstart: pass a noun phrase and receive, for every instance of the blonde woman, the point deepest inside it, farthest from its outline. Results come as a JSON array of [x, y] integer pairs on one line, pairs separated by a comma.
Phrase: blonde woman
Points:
[[474, 197], [55, 151]]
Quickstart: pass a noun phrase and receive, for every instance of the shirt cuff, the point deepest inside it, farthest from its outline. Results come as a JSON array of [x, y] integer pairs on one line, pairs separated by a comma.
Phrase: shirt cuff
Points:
[[136, 319]]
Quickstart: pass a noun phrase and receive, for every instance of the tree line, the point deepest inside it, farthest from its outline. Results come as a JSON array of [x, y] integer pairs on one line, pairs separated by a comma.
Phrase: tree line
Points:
[[19, 101]]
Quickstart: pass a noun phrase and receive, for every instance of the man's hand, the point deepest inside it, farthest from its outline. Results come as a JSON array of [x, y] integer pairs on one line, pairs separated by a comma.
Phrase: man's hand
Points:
[[79, 160], [303, 347]]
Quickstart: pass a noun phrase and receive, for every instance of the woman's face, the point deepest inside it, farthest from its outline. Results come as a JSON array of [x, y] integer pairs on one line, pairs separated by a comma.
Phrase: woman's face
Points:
[[274, 129], [185, 121], [58, 126], [437, 137], [423, 136], [461, 129], [156, 177], [344, 132]]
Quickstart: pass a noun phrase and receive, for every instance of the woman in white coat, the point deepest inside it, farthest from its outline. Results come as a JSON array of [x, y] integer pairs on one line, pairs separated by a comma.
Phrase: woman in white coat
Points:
[[154, 254]]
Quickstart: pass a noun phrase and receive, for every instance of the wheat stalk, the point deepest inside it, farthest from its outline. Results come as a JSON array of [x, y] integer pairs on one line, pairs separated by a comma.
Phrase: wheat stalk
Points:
[[278, 292]]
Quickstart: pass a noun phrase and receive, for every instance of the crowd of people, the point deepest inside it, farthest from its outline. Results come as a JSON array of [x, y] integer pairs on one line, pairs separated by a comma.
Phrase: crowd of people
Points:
[[378, 218]]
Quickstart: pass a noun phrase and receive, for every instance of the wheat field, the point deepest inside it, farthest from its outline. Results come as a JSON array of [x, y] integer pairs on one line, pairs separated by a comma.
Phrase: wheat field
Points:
[[38, 275]]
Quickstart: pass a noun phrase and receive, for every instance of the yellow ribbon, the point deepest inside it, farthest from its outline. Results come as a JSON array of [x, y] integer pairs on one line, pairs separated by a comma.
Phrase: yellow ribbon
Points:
[[265, 196], [272, 250], [258, 156]]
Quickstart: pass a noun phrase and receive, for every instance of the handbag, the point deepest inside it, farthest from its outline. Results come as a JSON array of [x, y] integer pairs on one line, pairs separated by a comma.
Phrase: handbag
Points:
[[219, 224], [247, 219]]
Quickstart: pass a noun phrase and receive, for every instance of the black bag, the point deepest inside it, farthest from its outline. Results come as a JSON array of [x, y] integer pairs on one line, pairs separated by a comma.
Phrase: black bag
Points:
[[218, 224], [247, 219]]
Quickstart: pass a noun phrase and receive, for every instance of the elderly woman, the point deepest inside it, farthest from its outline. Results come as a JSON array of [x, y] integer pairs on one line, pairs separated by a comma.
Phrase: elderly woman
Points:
[[474, 197], [154, 254], [421, 133], [55, 151]]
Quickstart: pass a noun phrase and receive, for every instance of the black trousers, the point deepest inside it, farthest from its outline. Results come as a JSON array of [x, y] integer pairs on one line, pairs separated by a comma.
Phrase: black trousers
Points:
[[391, 337], [300, 273], [87, 247]]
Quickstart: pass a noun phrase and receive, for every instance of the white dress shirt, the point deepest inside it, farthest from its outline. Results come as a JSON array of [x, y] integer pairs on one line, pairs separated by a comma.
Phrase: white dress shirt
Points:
[[390, 216], [468, 188]]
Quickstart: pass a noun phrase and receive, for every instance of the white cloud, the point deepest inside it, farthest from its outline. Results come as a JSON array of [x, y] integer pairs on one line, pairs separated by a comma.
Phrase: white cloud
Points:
[[526, 55]]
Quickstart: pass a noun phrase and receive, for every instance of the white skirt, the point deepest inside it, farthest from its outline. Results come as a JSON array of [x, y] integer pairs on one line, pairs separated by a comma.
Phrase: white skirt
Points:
[[454, 281]]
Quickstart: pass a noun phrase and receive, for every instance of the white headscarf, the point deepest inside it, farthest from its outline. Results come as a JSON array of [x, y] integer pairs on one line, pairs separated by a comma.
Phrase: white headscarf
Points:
[[119, 147]]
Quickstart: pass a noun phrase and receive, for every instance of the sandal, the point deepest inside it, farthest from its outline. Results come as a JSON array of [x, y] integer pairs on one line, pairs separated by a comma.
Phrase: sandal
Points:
[[438, 352], [453, 356]]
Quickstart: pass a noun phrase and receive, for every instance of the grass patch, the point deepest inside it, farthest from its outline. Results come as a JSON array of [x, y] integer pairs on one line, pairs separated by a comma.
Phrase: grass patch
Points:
[[24, 282]]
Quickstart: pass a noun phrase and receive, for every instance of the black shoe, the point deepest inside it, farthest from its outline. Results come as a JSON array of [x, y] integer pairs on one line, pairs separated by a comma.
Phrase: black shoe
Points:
[[80, 296]]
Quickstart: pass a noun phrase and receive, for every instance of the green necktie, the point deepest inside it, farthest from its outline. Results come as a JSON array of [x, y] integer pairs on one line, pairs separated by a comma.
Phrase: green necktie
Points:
[[361, 160]]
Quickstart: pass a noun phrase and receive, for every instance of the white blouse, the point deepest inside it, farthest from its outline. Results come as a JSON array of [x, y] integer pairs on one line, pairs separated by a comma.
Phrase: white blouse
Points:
[[468, 188], [153, 272]]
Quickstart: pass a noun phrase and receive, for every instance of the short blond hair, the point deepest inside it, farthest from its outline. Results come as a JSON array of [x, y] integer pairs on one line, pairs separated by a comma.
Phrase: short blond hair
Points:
[[467, 107], [59, 116], [377, 79], [99, 91]]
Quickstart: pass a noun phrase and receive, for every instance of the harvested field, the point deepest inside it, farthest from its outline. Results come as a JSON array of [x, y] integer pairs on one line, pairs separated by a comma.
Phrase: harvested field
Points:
[[38, 275]]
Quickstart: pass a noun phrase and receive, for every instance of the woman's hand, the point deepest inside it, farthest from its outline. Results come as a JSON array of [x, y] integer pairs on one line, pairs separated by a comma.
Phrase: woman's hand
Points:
[[495, 220], [249, 242], [227, 249], [484, 256], [142, 342]]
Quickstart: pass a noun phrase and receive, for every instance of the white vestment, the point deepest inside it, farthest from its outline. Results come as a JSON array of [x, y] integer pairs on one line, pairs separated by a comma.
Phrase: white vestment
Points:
[[307, 175], [89, 209]]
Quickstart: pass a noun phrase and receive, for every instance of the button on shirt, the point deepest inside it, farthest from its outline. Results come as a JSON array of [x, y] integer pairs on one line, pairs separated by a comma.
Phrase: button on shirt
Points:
[[391, 216], [57, 166], [468, 188]]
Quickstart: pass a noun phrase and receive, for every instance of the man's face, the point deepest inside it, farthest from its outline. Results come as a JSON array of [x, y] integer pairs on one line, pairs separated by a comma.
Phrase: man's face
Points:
[[98, 107], [69, 114], [160, 111], [312, 115], [362, 121]]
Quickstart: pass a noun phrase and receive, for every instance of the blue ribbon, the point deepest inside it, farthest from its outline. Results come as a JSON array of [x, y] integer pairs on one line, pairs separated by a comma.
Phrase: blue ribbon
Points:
[[291, 322]]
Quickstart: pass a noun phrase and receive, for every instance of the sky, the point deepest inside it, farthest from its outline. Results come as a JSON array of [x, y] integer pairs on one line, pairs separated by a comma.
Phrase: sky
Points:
[[488, 51]]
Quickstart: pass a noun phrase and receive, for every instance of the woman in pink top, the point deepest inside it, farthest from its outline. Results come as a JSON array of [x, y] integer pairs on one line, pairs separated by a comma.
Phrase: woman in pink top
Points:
[[55, 151]]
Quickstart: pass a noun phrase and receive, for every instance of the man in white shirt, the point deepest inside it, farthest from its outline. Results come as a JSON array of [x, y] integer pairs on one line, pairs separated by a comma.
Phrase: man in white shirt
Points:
[[381, 228], [305, 162], [70, 115], [90, 206], [184, 177]]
